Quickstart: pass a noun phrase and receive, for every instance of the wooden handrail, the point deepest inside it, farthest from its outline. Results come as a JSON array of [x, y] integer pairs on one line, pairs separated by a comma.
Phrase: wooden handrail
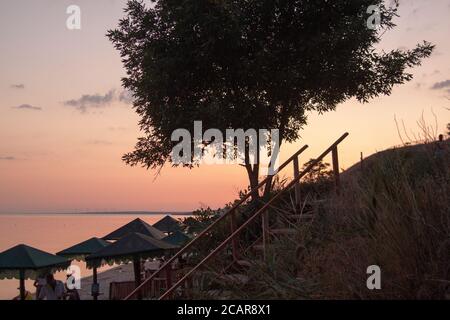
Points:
[[211, 226], [253, 217]]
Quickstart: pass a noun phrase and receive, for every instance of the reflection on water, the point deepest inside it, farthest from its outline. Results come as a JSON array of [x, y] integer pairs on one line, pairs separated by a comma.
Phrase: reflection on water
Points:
[[52, 233]]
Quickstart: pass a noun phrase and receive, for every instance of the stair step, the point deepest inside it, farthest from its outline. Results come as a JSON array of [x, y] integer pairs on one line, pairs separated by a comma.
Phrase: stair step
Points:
[[243, 263], [300, 217], [260, 247], [236, 278], [321, 203], [220, 294], [284, 231]]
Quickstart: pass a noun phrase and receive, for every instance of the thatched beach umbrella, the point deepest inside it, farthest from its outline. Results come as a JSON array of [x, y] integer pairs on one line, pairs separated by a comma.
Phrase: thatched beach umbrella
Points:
[[167, 224], [138, 226], [177, 238], [81, 250], [24, 262], [132, 247]]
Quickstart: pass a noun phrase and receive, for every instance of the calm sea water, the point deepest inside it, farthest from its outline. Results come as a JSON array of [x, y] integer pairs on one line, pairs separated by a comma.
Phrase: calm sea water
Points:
[[55, 232]]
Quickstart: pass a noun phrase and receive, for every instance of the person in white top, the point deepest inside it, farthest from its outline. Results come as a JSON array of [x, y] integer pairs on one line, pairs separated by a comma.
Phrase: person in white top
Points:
[[53, 290]]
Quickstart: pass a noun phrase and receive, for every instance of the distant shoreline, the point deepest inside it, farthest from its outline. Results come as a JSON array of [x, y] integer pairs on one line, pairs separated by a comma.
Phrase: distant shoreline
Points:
[[176, 213]]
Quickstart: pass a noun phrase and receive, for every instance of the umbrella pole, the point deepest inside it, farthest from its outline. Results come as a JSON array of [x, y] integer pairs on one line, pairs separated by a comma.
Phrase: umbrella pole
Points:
[[94, 280], [22, 284], [137, 275]]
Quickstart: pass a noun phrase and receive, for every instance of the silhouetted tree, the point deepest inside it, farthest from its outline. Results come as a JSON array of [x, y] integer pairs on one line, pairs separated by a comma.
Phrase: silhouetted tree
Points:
[[259, 64], [319, 173]]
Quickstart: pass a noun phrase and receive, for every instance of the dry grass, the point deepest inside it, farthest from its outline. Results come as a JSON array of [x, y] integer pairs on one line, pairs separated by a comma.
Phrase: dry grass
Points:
[[395, 214]]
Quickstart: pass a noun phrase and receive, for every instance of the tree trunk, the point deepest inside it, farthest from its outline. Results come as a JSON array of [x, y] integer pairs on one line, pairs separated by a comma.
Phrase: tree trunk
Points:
[[268, 185], [267, 188], [252, 172], [253, 176]]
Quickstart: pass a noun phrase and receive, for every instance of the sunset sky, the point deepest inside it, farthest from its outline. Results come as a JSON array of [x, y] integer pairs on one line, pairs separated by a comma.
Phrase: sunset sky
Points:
[[64, 124]]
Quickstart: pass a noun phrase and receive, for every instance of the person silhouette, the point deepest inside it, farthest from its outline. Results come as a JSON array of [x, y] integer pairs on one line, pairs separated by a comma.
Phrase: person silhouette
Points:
[[53, 290]]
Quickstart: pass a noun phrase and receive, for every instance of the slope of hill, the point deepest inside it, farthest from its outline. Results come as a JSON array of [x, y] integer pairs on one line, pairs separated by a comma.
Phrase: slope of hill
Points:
[[424, 151], [393, 212]]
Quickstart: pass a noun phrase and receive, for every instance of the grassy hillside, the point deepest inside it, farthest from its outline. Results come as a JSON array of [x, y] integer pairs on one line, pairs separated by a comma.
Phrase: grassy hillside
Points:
[[394, 212]]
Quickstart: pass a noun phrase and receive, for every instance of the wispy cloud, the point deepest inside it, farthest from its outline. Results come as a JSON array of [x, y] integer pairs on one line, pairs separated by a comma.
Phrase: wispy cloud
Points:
[[26, 106], [93, 101], [18, 86], [100, 142], [126, 97], [441, 85], [7, 158], [117, 128]]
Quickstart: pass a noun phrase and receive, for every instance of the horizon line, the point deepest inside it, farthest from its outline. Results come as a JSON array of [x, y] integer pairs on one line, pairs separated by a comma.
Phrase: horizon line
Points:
[[100, 213]]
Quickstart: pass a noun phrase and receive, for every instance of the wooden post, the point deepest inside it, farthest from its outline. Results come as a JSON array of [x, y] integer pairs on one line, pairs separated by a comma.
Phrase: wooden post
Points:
[[234, 245], [362, 158], [137, 275], [334, 155], [22, 284], [95, 283], [152, 288], [265, 232], [169, 277], [297, 185]]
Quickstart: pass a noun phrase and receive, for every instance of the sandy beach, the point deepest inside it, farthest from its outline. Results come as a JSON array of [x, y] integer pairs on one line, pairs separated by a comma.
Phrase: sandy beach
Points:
[[117, 274]]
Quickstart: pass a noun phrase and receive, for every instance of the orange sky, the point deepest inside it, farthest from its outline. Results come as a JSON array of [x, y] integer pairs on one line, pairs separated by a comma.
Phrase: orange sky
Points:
[[55, 158]]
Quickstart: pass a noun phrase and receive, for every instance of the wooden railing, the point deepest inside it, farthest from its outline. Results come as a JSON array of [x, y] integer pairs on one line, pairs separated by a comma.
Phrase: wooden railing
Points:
[[235, 231]]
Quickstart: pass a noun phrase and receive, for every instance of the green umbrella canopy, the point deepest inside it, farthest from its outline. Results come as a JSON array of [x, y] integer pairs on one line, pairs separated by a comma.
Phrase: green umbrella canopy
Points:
[[167, 224], [129, 247], [32, 261], [177, 238], [82, 249], [138, 226]]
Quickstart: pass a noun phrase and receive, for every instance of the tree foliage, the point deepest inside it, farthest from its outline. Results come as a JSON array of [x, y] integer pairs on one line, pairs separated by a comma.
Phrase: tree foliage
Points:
[[259, 64]]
